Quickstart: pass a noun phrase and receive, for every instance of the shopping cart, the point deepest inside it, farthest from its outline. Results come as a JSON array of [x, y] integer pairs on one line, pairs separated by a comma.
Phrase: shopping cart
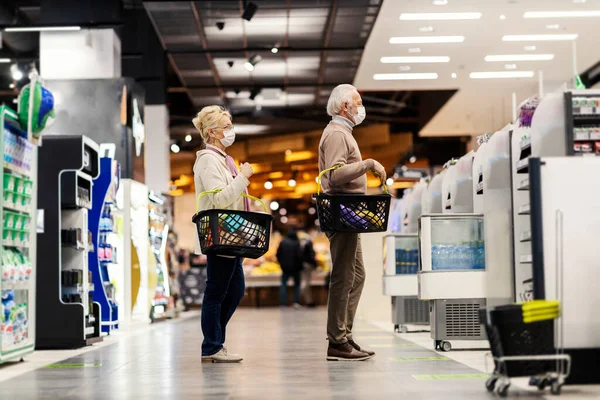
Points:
[[356, 213], [521, 339], [232, 232]]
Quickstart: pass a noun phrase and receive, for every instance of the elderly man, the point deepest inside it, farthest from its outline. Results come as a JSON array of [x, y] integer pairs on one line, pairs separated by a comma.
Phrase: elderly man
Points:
[[338, 146]]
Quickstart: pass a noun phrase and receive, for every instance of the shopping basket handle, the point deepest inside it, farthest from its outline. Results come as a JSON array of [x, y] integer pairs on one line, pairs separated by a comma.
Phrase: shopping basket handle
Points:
[[338, 166], [218, 190]]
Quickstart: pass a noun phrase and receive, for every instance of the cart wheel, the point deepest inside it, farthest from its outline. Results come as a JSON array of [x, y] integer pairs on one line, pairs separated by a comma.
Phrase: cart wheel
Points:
[[542, 383], [403, 329], [502, 389], [490, 384], [446, 346], [397, 328], [556, 388]]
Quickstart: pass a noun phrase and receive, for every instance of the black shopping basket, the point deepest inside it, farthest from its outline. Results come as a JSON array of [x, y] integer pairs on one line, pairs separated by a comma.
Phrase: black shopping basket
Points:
[[232, 232], [356, 213]]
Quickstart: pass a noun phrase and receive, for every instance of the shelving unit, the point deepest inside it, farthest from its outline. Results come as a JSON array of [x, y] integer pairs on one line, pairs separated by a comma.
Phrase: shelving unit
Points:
[[582, 117], [18, 202], [104, 258], [159, 229], [67, 316]]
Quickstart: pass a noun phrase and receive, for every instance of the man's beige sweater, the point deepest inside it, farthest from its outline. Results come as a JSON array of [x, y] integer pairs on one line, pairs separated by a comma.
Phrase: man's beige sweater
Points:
[[339, 146]]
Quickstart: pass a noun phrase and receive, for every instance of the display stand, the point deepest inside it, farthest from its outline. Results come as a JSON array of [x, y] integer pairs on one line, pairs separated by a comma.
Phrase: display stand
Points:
[[104, 255], [401, 258], [67, 317], [158, 232], [18, 202]]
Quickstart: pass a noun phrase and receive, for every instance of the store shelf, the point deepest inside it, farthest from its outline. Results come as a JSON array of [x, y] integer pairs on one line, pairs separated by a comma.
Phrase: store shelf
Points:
[[16, 286], [479, 188], [525, 144], [17, 170], [525, 237], [523, 166], [526, 259], [523, 185], [400, 285], [525, 209], [10, 243], [17, 208]]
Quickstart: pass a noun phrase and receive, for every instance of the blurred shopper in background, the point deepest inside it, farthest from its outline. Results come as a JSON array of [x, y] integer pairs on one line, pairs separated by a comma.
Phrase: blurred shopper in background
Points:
[[214, 169], [309, 264], [289, 256], [338, 146]]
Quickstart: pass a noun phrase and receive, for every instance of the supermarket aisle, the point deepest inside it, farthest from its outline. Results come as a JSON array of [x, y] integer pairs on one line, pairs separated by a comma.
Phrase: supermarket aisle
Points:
[[285, 359]]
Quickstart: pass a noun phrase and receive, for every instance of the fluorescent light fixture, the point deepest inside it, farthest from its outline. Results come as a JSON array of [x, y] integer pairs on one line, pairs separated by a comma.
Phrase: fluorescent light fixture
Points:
[[42, 29], [426, 29], [541, 38], [519, 57], [530, 48], [426, 39], [404, 68], [415, 60], [440, 2], [439, 16], [405, 77], [562, 14], [501, 74], [4, 60], [553, 26], [510, 66], [454, 75], [502, 17], [414, 50]]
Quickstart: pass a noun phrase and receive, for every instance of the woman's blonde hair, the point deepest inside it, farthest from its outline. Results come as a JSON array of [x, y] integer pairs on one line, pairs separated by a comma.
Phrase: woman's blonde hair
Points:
[[207, 118]]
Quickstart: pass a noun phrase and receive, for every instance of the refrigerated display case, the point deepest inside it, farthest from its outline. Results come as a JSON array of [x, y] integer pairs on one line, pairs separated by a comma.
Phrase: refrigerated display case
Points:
[[400, 265], [158, 234]]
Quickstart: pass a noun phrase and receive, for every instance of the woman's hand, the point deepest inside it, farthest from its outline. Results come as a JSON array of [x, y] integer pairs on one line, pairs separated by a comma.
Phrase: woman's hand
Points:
[[246, 170]]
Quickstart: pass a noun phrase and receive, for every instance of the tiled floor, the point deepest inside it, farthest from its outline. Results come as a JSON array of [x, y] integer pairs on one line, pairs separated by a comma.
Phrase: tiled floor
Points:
[[284, 359]]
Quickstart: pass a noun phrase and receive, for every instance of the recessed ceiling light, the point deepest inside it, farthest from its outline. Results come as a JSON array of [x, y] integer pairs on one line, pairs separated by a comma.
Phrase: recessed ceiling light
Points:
[[519, 57], [43, 29], [502, 17], [415, 59], [533, 38], [553, 26], [439, 16], [510, 66], [188, 138], [454, 75], [175, 148], [414, 50], [426, 39], [501, 74], [530, 48], [426, 29], [4, 60], [274, 50], [562, 14], [440, 2], [404, 68], [405, 77]]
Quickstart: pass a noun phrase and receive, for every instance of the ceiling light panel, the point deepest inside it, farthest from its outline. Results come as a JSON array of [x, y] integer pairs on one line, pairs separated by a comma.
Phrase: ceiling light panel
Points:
[[439, 16], [405, 77], [501, 74], [562, 14], [415, 60], [519, 57], [539, 38], [426, 39]]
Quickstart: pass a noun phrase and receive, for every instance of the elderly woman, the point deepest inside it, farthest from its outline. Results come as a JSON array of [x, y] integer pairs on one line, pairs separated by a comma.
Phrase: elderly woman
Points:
[[225, 285]]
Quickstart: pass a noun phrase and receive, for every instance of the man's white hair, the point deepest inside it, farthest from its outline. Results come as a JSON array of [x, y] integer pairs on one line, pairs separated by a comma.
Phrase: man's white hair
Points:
[[339, 95]]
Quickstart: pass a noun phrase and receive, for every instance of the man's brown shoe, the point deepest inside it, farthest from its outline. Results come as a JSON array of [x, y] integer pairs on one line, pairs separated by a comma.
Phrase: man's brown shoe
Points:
[[345, 352], [357, 347]]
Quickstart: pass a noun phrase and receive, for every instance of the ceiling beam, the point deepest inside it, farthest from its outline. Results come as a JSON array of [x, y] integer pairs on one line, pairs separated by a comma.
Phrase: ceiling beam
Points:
[[326, 39], [204, 43], [245, 38], [250, 85]]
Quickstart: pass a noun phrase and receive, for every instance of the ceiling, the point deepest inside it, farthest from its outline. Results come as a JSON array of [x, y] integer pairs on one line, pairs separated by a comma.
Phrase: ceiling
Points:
[[479, 105]]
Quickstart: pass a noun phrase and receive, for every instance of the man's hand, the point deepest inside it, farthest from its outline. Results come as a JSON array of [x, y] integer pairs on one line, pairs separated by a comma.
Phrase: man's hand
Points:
[[246, 170], [380, 171]]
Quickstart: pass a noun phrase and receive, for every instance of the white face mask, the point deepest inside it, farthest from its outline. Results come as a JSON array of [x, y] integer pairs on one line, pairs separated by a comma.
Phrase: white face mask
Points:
[[229, 137], [360, 116]]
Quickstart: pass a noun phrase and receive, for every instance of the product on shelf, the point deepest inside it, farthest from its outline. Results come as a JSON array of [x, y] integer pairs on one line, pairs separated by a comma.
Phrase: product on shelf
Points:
[[14, 324], [463, 256], [407, 261], [16, 266]]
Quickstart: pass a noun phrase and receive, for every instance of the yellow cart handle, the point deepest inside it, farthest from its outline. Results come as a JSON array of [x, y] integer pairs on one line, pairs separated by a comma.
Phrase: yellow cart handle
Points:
[[218, 190], [338, 166]]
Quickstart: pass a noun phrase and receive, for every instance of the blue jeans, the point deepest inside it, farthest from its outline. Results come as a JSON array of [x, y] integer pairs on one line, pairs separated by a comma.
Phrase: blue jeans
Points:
[[283, 289], [225, 288]]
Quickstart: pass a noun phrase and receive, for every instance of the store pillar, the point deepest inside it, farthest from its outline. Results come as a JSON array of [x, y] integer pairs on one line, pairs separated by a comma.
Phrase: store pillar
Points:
[[158, 165]]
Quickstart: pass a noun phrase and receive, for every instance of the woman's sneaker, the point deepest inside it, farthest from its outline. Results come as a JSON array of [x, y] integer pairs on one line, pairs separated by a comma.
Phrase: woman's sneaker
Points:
[[222, 357]]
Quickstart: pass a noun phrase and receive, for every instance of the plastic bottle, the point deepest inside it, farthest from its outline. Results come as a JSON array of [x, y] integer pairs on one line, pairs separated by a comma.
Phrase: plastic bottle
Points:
[[480, 251]]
